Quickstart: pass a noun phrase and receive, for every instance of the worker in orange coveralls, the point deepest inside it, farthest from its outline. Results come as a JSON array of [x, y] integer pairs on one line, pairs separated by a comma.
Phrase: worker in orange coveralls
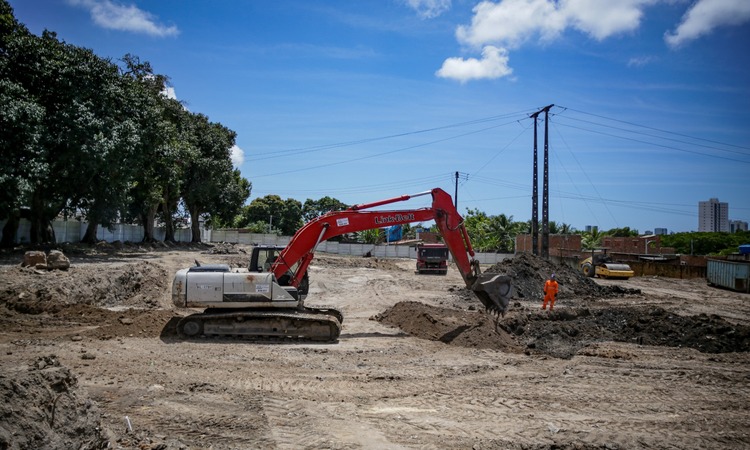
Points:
[[550, 292]]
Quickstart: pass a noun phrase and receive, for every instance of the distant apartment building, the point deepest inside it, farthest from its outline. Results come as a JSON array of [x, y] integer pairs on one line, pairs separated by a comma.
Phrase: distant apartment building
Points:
[[713, 215], [592, 228], [660, 231], [737, 225]]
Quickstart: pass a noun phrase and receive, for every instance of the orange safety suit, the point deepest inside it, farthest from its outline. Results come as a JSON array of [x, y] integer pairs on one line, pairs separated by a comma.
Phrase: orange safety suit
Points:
[[550, 294]]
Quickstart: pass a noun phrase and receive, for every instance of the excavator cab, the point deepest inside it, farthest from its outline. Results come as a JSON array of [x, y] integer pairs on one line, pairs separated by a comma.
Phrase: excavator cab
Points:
[[262, 259], [263, 256]]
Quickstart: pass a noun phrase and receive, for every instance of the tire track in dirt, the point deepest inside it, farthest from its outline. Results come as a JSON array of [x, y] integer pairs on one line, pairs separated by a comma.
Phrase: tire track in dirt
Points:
[[296, 423]]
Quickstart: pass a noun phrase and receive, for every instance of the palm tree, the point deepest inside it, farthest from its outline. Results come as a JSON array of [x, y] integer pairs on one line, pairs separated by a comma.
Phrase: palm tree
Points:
[[591, 239]]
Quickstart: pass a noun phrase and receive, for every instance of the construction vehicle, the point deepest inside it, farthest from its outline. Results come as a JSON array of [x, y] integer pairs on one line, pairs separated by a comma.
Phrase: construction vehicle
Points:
[[261, 260], [268, 305], [432, 258], [601, 265]]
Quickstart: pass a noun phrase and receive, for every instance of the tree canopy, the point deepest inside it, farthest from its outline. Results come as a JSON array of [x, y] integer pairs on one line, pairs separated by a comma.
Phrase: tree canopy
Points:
[[96, 139]]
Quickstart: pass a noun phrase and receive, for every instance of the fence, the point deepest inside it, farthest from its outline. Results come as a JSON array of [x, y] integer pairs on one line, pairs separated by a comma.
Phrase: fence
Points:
[[73, 231]]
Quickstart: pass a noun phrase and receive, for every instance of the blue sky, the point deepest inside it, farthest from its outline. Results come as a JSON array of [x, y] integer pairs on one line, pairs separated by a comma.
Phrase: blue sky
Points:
[[371, 99]]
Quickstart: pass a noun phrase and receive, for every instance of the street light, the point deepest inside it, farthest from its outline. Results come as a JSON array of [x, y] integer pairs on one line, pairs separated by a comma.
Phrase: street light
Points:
[[648, 242]]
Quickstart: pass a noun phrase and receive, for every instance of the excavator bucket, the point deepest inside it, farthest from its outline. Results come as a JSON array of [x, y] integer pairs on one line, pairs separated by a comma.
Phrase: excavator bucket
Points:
[[494, 291]]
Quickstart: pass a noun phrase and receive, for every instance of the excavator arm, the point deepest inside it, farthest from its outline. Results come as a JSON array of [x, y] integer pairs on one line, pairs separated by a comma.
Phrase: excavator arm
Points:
[[493, 290]]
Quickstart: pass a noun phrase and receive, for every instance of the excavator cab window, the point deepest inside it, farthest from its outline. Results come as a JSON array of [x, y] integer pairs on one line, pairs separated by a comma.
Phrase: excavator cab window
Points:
[[262, 260]]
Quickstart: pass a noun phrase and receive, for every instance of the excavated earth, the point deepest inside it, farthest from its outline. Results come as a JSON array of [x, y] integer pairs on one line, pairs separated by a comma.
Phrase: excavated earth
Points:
[[90, 360]]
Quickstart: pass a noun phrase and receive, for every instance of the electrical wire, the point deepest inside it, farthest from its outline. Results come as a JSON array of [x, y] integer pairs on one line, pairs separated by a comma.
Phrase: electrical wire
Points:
[[276, 154]]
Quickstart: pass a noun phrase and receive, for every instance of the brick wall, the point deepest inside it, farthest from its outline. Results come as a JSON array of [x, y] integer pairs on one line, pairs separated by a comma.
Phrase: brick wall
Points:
[[560, 245]]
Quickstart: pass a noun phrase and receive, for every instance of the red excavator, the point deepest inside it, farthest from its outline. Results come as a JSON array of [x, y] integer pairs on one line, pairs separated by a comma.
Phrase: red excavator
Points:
[[268, 304]]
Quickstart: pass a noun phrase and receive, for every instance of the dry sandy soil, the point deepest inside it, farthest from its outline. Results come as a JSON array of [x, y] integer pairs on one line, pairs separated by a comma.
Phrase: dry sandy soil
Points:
[[90, 360]]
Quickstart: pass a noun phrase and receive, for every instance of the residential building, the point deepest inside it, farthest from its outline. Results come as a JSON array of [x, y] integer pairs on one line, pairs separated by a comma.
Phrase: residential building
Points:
[[661, 231], [713, 215], [737, 225]]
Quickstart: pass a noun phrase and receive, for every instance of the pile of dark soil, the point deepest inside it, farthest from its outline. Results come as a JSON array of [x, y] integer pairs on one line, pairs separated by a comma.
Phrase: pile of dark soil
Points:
[[451, 326], [562, 333], [42, 407], [529, 272]]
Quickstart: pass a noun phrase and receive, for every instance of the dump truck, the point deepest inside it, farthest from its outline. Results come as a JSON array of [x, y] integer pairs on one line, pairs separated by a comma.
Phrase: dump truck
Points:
[[432, 258], [267, 302]]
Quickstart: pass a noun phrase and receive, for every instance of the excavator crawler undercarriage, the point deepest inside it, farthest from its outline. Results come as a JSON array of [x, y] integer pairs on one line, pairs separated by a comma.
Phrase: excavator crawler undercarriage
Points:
[[308, 324]]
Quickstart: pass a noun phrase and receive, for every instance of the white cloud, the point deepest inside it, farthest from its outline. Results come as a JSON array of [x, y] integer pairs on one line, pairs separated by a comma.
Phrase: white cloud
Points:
[[429, 9], [494, 64], [169, 92], [115, 16], [706, 15], [640, 61], [510, 23], [237, 156]]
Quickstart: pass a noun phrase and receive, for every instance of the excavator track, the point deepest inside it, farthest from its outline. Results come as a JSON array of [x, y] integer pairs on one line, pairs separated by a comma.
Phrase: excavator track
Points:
[[324, 309], [262, 325]]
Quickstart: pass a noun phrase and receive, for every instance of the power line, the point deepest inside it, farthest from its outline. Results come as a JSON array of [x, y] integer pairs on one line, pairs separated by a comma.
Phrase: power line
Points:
[[654, 128], [656, 136], [270, 155], [411, 147], [656, 145]]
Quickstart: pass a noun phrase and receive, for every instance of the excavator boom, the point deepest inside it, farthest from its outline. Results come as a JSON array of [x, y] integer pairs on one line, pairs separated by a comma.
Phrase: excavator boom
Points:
[[493, 290]]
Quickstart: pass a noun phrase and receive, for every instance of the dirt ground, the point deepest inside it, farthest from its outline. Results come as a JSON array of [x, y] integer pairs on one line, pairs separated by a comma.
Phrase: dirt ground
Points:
[[90, 360]]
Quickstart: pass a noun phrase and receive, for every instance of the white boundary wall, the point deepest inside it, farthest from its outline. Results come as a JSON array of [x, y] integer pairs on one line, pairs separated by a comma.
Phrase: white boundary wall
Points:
[[73, 231]]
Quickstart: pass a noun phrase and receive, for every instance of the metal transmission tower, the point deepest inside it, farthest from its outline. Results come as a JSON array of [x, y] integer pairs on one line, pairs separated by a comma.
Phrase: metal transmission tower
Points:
[[545, 190]]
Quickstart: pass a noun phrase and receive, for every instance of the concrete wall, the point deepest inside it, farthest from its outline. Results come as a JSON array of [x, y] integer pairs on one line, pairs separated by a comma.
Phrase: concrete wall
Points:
[[73, 231]]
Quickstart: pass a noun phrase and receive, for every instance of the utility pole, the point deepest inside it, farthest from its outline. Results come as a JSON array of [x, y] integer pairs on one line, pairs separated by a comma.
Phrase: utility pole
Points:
[[535, 198], [455, 197], [545, 190], [545, 193]]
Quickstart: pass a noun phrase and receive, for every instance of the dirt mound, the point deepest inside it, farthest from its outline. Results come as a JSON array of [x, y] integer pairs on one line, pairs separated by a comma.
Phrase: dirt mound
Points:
[[42, 407], [451, 326], [564, 332], [33, 292], [529, 272]]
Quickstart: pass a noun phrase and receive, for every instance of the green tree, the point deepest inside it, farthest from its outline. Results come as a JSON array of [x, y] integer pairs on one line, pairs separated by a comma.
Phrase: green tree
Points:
[[232, 197], [208, 171], [79, 134], [162, 148], [372, 236], [706, 243], [286, 215], [491, 233], [622, 232], [591, 239], [20, 132], [21, 127], [316, 208]]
